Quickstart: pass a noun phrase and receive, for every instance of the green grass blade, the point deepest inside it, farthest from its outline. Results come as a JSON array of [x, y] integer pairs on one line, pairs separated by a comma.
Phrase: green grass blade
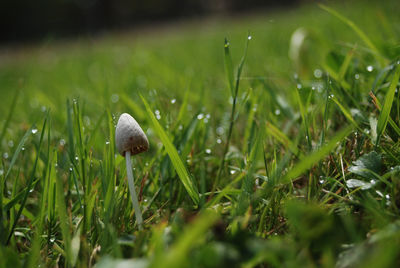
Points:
[[387, 105], [228, 66], [312, 159], [64, 221], [346, 112], [31, 178], [356, 29], [345, 65], [180, 168], [17, 151]]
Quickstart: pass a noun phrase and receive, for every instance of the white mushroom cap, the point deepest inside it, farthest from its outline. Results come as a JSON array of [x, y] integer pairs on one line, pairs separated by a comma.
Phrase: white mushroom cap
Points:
[[129, 136]]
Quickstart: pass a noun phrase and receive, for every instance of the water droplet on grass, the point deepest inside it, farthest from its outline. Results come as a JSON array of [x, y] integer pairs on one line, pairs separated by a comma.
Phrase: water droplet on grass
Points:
[[208, 151], [173, 101], [220, 130], [10, 144], [317, 73], [277, 112], [233, 171], [107, 142], [5, 155], [200, 116], [62, 142], [357, 76], [34, 130], [299, 86], [370, 68], [219, 141], [249, 37], [1, 172], [114, 98]]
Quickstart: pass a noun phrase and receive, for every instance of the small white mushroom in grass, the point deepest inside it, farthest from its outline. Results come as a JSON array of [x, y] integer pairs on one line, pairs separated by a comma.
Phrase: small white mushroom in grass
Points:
[[130, 140]]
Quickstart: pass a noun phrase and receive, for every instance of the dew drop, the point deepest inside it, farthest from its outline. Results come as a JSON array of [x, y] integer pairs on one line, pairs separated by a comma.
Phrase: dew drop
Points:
[[208, 151], [249, 37], [114, 98], [299, 86], [233, 171], [107, 142], [277, 112], [317, 73], [173, 101], [200, 116], [1, 172], [219, 141], [357, 76], [10, 144], [62, 142], [5, 155], [34, 130], [370, 68], [220, 130]]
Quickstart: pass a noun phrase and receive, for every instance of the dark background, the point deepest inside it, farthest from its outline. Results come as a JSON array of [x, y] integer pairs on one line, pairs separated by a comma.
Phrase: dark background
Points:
[[22, 20]]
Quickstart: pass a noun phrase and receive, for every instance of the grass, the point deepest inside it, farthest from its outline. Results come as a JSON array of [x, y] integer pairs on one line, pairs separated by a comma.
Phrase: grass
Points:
[[279, 147]]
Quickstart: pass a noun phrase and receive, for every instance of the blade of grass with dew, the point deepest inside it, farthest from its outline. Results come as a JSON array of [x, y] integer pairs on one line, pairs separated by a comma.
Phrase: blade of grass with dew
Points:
[[228, 66], [356, 29], [336, 76], [387, 105], [34, 256], [233, 113], [180, 168], [18, 150], [346, 113], [308, 161], [31, 179]]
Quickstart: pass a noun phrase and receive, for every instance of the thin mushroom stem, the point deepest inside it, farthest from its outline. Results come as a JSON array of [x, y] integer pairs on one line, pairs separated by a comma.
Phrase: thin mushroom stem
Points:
[[132, 190]]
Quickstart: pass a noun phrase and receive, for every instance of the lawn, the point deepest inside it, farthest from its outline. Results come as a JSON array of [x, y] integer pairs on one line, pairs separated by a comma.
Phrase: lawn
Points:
[[274, 142]]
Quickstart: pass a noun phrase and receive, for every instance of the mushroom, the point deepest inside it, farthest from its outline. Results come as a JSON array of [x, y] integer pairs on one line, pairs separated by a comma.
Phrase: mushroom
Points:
[[130, 140]]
